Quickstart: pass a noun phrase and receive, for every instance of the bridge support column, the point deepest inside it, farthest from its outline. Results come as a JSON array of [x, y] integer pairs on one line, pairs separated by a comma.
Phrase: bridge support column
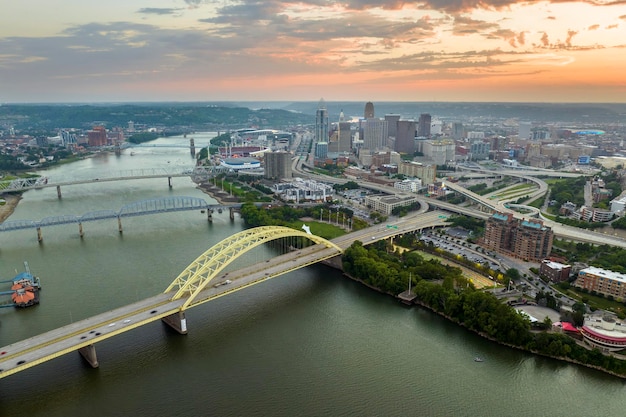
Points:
[[209, 215], [39, 235], [177, 321], [59, 192], [169, 182], [192, 147], [232, 213], [89, 354], [80, 229], [119, 225]]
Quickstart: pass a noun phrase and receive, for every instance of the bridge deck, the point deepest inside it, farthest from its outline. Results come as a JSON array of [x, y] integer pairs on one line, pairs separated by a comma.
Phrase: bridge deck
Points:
[[41, 348]]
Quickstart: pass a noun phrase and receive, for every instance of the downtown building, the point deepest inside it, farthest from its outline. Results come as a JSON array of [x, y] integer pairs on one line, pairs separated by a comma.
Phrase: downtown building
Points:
[[525, 239], [277, 165], [321, 122]]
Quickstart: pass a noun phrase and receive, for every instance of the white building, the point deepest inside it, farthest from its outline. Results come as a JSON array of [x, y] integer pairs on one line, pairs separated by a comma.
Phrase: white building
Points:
[[440, 151], [386, 203], [409, 185], [300, 190]]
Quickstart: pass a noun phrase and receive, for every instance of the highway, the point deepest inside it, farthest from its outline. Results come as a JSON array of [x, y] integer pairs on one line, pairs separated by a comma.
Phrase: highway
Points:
[[82, 335]]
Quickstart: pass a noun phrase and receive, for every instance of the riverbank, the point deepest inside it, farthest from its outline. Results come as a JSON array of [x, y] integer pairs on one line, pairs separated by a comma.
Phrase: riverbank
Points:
[[419, 303], [9, 206], [221, 196]]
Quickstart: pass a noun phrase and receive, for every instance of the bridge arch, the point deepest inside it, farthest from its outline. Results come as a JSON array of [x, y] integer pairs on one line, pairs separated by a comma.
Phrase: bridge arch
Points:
[[207, 266]]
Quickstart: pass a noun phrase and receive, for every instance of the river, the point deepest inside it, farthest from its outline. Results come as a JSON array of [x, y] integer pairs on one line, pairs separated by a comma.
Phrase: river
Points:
[[310, 343]]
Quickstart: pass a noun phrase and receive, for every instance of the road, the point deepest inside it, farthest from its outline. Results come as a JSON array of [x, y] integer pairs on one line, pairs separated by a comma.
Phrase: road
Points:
[[85, 333]]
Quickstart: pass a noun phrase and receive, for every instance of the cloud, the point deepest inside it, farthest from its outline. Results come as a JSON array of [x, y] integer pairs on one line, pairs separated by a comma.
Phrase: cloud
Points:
[[593, 27], [466, 26], [570, 35], [158, 11]]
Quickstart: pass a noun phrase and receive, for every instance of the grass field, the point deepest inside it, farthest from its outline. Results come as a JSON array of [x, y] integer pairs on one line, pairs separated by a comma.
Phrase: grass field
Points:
[[478, 280]]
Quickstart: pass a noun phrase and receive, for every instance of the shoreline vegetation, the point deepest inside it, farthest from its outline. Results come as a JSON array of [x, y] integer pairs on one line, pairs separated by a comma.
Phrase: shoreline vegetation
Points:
[[449, 296]]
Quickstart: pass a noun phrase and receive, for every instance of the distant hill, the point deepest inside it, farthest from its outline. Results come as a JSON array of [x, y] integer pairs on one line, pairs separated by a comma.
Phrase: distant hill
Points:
[[182, 117], [573, 113], [178, 117]]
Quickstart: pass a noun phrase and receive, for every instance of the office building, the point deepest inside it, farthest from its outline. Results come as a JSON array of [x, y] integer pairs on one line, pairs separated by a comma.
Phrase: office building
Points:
[[423, 125], [392, 124], [321, 122], [426, 173], [554, 271], [405, 137], [277, 165], [369, 110], [97, 136], [321, 150], [374, 134]]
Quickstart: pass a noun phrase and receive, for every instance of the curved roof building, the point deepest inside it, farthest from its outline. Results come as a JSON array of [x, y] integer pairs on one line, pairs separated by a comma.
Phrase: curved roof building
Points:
[[604, 332]]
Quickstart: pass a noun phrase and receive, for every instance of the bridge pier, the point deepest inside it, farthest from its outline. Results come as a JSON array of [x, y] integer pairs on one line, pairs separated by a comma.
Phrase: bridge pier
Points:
[[176, 321], [89, 354], [39, 235], [209, 215], [169, 182], [192, 147], [59, 192], [232, 213], [119, 225], [80, 229], [334, 262]]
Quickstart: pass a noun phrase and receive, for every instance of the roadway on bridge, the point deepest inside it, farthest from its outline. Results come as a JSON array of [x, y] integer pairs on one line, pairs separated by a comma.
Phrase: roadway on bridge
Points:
[[27, 353]]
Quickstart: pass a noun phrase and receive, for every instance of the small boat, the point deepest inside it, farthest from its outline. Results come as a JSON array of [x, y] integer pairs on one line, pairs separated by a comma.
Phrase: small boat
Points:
[[478, 359]]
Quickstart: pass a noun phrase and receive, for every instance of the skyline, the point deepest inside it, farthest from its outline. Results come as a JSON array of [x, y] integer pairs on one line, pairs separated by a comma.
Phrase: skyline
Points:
[[356, 50]]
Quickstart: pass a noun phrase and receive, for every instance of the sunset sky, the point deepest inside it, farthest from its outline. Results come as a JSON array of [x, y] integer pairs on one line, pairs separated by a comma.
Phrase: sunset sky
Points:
[[360, 50]]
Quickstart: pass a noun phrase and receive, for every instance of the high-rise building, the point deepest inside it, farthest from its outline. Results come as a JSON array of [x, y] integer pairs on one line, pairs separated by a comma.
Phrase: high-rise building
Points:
[[392, 124], [369, 110], [427, 173], [525, 130], [374, 133], [277, 165], [423, 125], [321, 150], [342, 139], [67, 138], [405, 137], [97, 136], [458, 131], [525, 239], [321, 122]]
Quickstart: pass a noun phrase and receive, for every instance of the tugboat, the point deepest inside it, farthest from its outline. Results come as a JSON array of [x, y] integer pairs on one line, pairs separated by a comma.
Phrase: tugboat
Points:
[[25, 289]]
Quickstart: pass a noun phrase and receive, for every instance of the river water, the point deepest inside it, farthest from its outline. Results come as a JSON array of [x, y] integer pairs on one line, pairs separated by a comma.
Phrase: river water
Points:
[[311, 343]]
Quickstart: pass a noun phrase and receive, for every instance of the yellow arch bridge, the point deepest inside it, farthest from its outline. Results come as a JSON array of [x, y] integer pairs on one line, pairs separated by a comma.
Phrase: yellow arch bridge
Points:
[[191, 287]]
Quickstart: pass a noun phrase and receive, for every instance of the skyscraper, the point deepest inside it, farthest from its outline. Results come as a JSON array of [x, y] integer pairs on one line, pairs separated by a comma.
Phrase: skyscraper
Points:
[[423, 126], [405, 137], [374, 134], [321, 122], [369, 110]]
